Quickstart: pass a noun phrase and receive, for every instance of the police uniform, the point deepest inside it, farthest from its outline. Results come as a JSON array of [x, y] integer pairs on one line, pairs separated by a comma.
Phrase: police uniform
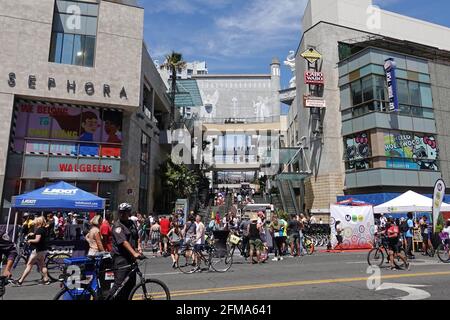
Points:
[[121, 232]]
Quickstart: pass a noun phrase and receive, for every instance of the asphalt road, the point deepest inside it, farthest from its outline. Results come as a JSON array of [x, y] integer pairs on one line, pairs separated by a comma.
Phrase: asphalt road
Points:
[[322, 276]]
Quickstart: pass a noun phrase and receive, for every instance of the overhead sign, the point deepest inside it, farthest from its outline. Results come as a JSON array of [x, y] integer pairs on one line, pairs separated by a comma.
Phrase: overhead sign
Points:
[[312, 55], [438, 198], [313, 77], [314, 102], [390, 68]]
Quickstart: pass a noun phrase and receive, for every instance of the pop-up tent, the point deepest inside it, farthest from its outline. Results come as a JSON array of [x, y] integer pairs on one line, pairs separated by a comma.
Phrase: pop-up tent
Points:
[[58, 196], [409, 202]]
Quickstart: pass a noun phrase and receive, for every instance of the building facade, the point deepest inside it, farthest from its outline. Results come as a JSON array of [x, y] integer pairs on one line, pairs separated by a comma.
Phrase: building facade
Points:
[[67, 114], [356, 147]]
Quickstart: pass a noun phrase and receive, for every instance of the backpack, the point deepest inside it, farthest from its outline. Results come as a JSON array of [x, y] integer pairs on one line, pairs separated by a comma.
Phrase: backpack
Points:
[[404, 227]]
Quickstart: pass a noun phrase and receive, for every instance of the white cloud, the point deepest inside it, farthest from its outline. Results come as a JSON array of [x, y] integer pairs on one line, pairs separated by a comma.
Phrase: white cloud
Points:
[[184, 6]]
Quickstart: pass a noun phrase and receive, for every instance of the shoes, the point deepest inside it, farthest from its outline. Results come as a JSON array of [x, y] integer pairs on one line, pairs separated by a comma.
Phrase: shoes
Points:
[[275, 259], [280, 259], [174, 265], [19, 283]]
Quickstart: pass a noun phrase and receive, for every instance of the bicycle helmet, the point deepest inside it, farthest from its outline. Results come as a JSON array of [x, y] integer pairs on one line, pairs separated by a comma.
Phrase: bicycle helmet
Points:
[[125, 207]]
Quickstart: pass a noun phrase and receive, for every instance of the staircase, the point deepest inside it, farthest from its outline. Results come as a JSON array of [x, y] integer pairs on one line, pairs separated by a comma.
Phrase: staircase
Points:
[[287, 197]]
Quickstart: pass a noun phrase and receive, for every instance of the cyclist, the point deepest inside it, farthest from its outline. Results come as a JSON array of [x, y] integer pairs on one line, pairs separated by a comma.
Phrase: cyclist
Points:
[[393, 234], [126, 249], [8, 249], [447, 228]]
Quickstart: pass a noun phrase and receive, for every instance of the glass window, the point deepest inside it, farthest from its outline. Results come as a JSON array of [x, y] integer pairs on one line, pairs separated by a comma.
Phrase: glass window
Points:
[[33, 166], [367, 88], [356, 92], [380, 88], [74, 33], [426, 95], [67, 52], [345, 97], [56, 47], [403, 94], [414, 92]]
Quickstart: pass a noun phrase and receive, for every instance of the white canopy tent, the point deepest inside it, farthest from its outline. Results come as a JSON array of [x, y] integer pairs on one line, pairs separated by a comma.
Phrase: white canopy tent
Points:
[[409, 202]]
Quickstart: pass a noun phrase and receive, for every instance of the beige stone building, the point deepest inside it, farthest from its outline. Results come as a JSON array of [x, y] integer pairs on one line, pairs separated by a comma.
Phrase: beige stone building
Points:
[[80, 101]]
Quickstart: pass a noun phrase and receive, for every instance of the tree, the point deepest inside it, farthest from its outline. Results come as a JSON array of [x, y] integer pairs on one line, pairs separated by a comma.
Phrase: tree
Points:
[[179, 179], [175, 62]]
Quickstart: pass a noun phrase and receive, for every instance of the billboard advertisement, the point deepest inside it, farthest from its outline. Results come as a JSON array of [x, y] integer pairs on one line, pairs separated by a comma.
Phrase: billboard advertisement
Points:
[[411, 151], [358, 151], [94, 132]]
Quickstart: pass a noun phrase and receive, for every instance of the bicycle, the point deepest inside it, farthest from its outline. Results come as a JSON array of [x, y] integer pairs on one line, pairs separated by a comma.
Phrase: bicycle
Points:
[[4, 281], [443, 250], [375, 257], [219, 260], [308, 244], [236, 241], [91, 289]]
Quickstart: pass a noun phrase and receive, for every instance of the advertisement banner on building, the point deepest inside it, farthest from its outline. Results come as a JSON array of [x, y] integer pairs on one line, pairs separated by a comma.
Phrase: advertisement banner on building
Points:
[[315, 78], [412, 151], [358, 226], [92, 128], [438, 198], [358, 151], [390, 68]]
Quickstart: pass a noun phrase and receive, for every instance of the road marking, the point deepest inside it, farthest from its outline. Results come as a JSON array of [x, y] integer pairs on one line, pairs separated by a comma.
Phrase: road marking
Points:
[[180, 293], [411, 289]]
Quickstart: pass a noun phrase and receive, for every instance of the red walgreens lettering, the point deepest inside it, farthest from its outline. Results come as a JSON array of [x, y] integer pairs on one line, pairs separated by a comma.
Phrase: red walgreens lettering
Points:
[[64, 167]]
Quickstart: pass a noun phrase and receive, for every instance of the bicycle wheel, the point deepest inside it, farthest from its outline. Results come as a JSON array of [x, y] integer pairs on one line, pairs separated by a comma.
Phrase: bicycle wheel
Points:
[[443, 253], [185, 261], [55, 265], [82, 294], [375, 257], [220, 260], [152, 289]]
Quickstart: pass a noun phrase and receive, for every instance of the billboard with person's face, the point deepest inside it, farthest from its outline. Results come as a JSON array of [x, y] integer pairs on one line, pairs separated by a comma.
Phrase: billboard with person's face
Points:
[[98, 131]]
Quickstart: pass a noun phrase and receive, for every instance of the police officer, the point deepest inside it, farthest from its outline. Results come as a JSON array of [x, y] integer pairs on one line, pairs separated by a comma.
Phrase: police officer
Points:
[[126, 248]]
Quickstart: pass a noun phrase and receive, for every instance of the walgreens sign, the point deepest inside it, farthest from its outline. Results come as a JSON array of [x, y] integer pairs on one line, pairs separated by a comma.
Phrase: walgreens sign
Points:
[[91, 168]]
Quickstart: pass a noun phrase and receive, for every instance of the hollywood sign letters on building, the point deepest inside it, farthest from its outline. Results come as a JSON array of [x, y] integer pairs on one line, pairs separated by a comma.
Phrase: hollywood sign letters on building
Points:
[[71, 86]]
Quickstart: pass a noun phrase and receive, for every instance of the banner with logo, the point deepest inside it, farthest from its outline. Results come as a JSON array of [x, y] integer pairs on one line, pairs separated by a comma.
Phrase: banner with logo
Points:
[[438, 198], [390, 68], [358, 226]]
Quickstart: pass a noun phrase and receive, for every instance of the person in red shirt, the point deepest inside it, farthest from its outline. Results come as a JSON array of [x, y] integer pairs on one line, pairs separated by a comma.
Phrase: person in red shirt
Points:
[[165, 228], [106, 233], [393, 234]]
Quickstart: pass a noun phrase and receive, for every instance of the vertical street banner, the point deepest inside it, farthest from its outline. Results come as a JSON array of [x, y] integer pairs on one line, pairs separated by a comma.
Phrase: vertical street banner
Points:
[[390, 68], [358, 225], [438, 198]]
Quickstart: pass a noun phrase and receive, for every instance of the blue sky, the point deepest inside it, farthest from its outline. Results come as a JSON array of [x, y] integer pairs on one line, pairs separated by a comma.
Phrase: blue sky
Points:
[[242, 36]]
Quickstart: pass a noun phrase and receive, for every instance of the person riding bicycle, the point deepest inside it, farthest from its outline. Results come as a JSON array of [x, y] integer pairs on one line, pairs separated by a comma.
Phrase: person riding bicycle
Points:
[[394, 245], [126, 249], [447, 230]]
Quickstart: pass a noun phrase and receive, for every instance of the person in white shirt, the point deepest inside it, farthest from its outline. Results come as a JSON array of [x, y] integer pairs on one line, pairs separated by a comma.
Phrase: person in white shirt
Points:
[[447, 227], [312, 220], [383, 222], [199, 238]]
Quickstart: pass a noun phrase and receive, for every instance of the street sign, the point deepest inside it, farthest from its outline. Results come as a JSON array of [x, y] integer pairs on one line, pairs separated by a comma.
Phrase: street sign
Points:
[[312, 55], [314, 102], [313, 77]]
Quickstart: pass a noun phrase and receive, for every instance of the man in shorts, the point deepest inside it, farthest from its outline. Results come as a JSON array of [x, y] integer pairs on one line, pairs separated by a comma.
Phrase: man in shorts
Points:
[[393, 234], [294, 235], [199, 243]]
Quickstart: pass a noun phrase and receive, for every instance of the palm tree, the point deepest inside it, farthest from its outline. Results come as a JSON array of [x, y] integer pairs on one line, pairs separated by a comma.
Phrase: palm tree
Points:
[[175, 63]]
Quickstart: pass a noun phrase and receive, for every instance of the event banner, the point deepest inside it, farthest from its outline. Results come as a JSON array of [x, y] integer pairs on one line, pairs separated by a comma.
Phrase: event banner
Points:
[[413, 151], [358, 225], [438, 198]]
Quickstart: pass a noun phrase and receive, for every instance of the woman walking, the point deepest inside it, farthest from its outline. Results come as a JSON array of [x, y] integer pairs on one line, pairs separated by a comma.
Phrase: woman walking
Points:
[[175, 239], [277, 232], [155, 236], [94, 238], [37, 257]]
